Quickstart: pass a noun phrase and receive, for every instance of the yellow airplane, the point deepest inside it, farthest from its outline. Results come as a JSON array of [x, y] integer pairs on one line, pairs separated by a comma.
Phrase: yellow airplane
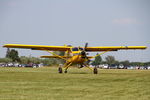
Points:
[[73, 55]]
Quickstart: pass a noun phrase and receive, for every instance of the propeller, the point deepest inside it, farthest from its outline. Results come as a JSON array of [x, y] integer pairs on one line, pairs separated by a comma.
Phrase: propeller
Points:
[[86, 45], [84, 55], [83, 52]]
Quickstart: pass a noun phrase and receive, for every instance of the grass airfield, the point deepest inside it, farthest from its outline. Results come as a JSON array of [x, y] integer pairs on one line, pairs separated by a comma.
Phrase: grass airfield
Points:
[[78, 84]]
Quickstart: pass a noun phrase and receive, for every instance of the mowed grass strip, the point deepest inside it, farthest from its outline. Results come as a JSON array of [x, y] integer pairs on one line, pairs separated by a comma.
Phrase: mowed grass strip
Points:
[[78, 84]]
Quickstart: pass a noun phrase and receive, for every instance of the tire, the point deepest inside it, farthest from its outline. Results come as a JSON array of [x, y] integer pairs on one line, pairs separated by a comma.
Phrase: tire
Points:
[[65, 71], [60, 70], [95, 71]]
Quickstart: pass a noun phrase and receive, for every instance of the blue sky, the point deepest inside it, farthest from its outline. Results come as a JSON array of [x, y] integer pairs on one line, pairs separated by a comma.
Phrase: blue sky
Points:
[[59, 22]]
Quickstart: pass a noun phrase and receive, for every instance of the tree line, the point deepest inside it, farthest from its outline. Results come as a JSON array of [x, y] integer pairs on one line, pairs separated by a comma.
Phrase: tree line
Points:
[[13, 56], [110, 60]]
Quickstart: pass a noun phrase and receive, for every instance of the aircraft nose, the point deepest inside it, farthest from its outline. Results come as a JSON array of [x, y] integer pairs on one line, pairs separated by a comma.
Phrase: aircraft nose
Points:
[[83, 53]]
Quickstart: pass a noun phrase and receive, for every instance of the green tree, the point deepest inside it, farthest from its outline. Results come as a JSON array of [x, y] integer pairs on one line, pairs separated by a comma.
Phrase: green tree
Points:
[[125, 63], [110, 60], [24, 60], [117, 62], [34, 60], [97, 60], [48, 61], [5, 60], [27, 60], [7, 53], [12, 54], [147, 64]]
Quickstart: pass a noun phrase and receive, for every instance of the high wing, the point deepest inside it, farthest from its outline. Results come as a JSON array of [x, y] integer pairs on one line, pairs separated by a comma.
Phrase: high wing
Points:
[[113, 48], [38, 47], [65, 48]]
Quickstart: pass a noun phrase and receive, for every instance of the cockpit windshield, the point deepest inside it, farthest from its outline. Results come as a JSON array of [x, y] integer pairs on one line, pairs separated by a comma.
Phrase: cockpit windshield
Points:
[[80, 48], [75, 49]]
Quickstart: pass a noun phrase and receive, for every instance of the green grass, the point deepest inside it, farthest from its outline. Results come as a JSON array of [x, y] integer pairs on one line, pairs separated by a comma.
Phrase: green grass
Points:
[[77, 84]]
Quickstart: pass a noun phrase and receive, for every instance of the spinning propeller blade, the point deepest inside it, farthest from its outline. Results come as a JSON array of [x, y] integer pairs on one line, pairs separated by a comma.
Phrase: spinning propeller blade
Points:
[[86, 45], [84, 54]]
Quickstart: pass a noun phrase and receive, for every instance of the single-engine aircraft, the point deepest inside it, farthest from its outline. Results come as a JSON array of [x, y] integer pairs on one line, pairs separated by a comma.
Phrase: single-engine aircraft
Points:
[[73, 55]]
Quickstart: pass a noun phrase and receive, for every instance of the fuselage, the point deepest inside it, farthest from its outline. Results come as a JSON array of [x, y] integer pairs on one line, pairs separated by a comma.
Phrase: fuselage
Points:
[[77, 59], [76, 56]]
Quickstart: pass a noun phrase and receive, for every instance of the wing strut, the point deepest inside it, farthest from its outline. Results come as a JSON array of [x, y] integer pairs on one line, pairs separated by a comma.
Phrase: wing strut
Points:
[[56, 55], [100, 54]]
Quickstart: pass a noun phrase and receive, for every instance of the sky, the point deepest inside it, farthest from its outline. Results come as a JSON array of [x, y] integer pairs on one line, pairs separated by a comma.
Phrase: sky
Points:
[[75, 22]]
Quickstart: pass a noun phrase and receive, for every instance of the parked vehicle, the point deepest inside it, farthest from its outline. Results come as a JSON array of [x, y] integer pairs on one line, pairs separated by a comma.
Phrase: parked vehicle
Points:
[[105, 66], [121, 66], [113, 66]]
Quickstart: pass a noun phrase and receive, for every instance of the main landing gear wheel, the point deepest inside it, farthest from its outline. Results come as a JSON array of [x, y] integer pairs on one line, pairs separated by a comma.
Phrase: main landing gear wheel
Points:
[[95, 71], [65, 71], [60, 70]]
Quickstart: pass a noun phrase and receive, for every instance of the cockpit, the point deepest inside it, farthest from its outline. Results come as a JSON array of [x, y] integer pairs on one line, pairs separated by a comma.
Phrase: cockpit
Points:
[[77, 49], [80, 48]]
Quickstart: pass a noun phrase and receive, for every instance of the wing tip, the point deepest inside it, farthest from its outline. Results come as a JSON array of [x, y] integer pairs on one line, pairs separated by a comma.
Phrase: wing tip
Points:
[[8, 45]]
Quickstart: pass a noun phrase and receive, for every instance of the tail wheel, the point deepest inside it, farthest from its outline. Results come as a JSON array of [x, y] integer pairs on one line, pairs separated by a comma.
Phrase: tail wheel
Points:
[[95, 71], [60, 70]]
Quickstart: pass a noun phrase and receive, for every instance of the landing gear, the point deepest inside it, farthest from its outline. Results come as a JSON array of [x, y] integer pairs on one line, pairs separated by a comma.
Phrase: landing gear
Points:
[[81, 66], [95, 71], [60, 70], [65, 71]]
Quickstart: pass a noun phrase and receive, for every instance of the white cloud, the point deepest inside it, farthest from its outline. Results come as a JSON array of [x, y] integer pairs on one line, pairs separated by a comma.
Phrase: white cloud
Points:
[[125, 21]]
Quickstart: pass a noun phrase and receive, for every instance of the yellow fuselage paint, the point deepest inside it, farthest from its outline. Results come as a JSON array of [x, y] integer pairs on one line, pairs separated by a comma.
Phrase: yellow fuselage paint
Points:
[[76, 59]]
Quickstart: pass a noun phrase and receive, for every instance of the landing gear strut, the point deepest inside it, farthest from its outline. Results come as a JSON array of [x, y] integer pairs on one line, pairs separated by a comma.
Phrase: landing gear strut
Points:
[[95, 71]]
